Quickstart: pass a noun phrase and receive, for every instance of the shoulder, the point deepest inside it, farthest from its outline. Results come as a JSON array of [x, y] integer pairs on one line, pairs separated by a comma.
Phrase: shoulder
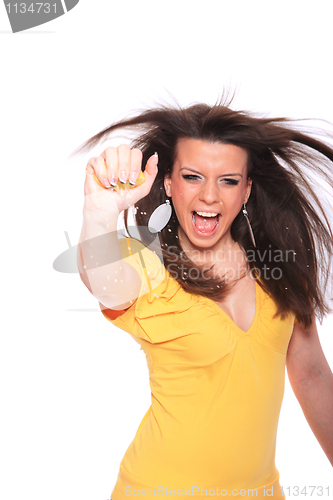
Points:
[[147, 261]]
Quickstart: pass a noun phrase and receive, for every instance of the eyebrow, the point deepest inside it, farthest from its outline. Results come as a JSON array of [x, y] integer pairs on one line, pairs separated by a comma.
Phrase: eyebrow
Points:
[[224, 175]]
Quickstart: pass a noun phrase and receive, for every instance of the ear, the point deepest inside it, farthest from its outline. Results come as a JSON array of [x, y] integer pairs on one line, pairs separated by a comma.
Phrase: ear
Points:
[[248, 189], [167, 185]]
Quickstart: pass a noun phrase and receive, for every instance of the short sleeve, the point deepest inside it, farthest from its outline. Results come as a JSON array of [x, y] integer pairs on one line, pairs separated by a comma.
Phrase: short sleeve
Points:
[[162, 310]]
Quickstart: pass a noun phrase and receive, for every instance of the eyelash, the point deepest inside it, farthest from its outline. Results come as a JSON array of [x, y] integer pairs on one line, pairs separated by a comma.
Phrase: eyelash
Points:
[[230, 182]]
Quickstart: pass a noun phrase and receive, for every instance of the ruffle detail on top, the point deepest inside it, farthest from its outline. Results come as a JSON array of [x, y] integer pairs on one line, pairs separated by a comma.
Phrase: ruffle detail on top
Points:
[[169, 299], [166, 299]]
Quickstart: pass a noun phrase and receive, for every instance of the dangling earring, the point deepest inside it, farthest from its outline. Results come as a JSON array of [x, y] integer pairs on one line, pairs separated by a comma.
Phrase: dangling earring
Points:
[[249, 224], [160, 217]]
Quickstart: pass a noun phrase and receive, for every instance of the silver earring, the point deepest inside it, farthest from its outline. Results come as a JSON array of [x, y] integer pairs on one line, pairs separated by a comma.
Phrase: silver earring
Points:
[[160, 217], [249, 224]]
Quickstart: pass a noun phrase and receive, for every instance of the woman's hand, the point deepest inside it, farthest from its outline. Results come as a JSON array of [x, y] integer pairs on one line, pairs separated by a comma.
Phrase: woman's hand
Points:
[[116, 163]]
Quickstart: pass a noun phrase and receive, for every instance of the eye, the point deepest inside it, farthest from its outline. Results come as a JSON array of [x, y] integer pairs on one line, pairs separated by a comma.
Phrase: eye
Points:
[[231, 182], [190, 177]]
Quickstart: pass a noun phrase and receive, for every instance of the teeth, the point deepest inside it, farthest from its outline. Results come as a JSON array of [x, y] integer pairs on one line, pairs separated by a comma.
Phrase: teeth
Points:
[[207, 214]]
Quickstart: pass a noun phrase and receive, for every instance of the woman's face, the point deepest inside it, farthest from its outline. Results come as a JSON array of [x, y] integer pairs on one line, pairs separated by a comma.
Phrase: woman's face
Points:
[[208, 178]]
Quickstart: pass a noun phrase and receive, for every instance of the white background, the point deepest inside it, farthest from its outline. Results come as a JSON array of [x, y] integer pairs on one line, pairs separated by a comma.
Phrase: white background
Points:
[[73, 387]]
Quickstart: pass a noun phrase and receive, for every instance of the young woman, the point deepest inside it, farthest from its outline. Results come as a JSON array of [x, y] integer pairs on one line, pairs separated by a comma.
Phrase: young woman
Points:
[[222, 292]]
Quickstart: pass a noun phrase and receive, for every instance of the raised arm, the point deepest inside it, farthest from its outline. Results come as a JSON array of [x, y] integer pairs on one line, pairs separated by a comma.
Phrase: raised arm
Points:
[[113, 282], [312, 382]]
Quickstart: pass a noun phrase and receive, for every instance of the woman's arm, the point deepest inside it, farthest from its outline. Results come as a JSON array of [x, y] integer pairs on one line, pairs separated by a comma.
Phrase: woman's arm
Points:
[[113, 282], [312, 382]]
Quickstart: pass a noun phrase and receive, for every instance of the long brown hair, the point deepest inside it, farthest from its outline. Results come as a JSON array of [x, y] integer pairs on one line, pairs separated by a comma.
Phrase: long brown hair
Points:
[[291, 229]]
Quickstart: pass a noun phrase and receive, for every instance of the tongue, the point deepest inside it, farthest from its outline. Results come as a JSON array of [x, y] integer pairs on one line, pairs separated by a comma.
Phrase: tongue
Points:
[[205, 224]]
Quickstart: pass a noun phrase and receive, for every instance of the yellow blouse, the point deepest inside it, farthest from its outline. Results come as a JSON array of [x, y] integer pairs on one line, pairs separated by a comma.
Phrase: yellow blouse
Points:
[[216, 392]]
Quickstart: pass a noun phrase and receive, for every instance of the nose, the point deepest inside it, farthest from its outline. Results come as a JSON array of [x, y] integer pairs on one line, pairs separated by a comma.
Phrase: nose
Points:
[[209, 193]]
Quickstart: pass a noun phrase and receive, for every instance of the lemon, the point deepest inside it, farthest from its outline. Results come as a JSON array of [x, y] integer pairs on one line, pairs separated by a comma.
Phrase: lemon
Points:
[[140, 180]]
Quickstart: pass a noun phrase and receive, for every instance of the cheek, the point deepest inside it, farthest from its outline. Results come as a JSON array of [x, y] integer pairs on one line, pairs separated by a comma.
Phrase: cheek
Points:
[[234, 202], [180, 193], [243, 192]]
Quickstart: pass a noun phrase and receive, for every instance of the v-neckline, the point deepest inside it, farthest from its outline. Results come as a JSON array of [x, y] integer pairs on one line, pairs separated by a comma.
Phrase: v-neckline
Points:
[[231, 321]]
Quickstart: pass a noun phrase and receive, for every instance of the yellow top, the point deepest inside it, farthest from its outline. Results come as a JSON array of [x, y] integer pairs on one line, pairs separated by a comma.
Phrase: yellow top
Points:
[[216, 392]]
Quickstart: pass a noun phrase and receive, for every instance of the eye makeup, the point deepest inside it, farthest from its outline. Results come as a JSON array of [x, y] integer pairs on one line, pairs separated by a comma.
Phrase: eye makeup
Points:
[[190, 177]]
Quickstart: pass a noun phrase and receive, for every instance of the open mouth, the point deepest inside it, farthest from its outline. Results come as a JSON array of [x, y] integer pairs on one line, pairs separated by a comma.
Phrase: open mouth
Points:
[[205, 223]]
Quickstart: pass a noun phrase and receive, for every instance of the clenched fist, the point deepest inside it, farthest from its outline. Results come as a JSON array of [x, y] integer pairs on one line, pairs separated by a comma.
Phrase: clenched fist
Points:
[[116, 164]]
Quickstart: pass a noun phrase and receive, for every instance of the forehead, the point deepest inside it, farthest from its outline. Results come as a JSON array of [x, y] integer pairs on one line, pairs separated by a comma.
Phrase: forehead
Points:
[[204, 154]]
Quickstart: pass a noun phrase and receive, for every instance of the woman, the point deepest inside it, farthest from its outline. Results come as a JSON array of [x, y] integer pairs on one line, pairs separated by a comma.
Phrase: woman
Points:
[[246, 257]]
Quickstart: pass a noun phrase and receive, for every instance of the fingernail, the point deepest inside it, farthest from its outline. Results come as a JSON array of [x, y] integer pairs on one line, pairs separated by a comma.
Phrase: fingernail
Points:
[[113, 180], [122, 177], [106, 183], [132, 178]]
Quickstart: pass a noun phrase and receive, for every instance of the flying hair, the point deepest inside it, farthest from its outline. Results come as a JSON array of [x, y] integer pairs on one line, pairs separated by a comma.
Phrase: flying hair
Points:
[[289, 206]]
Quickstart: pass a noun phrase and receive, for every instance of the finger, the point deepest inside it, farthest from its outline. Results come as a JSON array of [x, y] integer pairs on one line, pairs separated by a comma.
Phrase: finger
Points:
[[135, 165], [150, 172], [111, 158], [151, 166], [96, 167], [124, 162]]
